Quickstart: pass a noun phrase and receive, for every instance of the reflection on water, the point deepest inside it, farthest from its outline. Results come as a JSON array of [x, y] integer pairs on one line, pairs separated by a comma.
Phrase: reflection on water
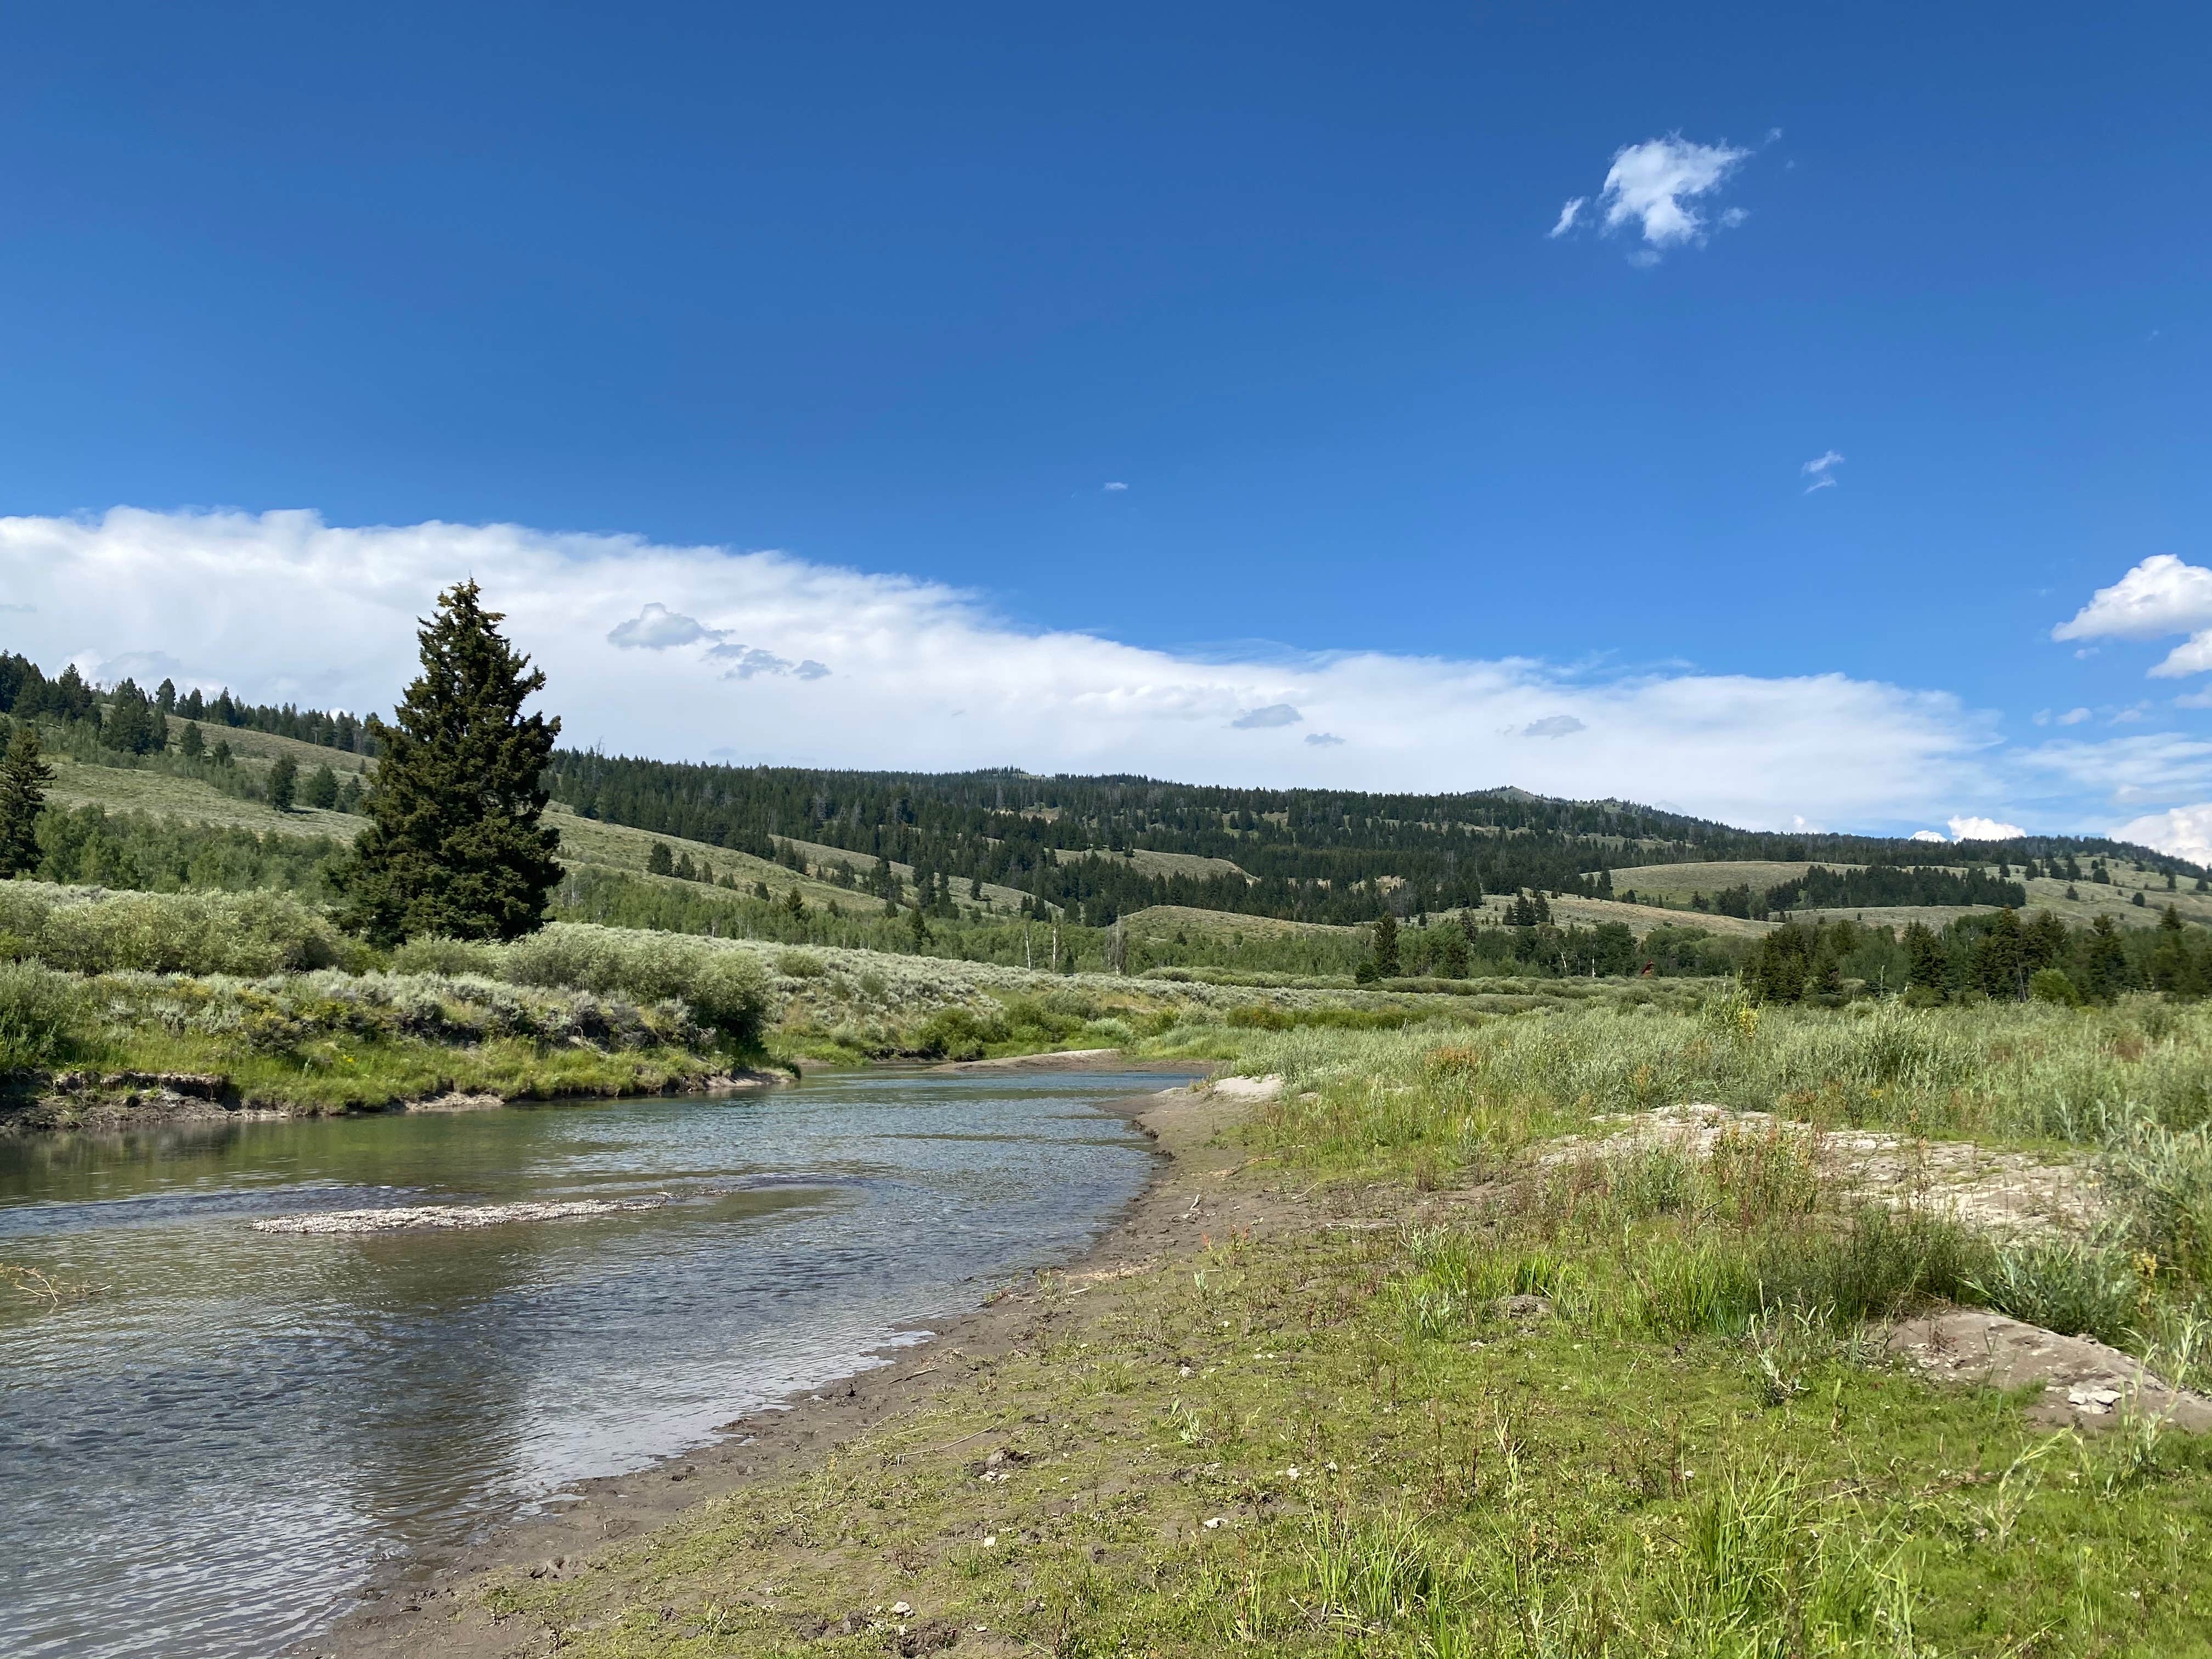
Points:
[[211, 1457]]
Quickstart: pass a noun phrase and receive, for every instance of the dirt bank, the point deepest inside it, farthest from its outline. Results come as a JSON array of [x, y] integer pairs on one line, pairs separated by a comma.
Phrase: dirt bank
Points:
[[111, 1102], [433, 1608]]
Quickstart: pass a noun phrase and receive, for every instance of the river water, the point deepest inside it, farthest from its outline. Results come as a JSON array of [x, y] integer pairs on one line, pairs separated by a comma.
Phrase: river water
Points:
[[212, 1456]]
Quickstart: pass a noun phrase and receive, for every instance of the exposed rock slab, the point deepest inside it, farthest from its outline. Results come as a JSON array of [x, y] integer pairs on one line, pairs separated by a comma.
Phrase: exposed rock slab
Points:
[[1245, 1088], [2001, 1192], [2086, 1385]]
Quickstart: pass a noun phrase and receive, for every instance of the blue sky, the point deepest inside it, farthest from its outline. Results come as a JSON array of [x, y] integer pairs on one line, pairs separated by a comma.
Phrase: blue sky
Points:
[[900, 293]]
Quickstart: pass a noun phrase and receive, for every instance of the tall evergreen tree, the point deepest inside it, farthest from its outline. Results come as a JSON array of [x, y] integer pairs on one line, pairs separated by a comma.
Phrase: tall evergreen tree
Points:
[[24, 775], [454, 844], [283, 783], [1927, 964], [2105, 961], [1386, 946]]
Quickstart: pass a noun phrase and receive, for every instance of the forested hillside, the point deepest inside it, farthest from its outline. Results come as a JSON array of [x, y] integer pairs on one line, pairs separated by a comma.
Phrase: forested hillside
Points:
[[1094, 848]]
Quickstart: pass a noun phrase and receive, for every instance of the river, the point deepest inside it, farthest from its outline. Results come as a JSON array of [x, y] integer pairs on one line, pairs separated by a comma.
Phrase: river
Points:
[[213, 1454]]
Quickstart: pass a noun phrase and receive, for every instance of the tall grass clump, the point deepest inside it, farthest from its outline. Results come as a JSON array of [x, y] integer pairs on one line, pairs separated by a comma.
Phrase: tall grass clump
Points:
[[1460, 1093], [1771, 1566], [2161, 1179]]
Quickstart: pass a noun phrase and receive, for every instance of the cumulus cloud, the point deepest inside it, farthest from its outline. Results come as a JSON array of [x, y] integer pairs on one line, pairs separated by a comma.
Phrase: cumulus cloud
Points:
[[1112, 488], [1568, 215], [2161, 596], [1930, 835], [1822, 469], [1973, 828], [2184, 831], [1553, 725], [1324, 740], [1275, 713], [1654, 186], [283, 607], [657, 628]]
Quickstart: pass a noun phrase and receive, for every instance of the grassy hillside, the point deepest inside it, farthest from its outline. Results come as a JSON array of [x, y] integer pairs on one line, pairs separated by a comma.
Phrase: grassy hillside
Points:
[[1641, 919], [1677, 883], [76, 784]]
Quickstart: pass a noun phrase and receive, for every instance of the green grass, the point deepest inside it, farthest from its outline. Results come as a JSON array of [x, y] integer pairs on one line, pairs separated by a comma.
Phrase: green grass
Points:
[[1582, 1483], [1632, 1402]]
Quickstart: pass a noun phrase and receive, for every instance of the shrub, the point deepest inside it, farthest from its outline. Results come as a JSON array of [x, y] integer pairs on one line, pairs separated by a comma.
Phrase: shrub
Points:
[[434, 954], [960, 1033], [2051, 984], [38, 1015], [245, 933], [721, 986]]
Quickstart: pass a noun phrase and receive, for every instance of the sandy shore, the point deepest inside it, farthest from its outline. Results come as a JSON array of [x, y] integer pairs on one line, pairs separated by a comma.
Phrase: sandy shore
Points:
[[430, 1608]]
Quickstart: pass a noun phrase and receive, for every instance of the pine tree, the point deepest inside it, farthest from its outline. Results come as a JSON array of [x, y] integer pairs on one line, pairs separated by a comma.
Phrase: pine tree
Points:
[[1927, 964], [1452, 949], [2106, 966], [321, 788], [1386, 946], [192, 745], [660, 861], [24, 775], [283, 783], [454, 844], [165, 699]]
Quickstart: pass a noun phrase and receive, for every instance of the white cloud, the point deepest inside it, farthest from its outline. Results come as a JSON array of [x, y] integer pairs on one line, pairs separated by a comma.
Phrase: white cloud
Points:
[[2195, 699], [657, 628], [2161, 596], [1324, 740], [2073, 717], [1553, 725], [283, 607], [2192, 656], [1930, 835], [1113, 489], [1568, 214], [1275, 713], [2184, 831], [1973, 828], [2128, 768], [1653, 184], [1822, 469]]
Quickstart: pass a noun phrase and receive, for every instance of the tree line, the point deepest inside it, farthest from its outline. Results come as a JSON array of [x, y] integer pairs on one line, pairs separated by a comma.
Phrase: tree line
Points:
[[2003, 956]]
